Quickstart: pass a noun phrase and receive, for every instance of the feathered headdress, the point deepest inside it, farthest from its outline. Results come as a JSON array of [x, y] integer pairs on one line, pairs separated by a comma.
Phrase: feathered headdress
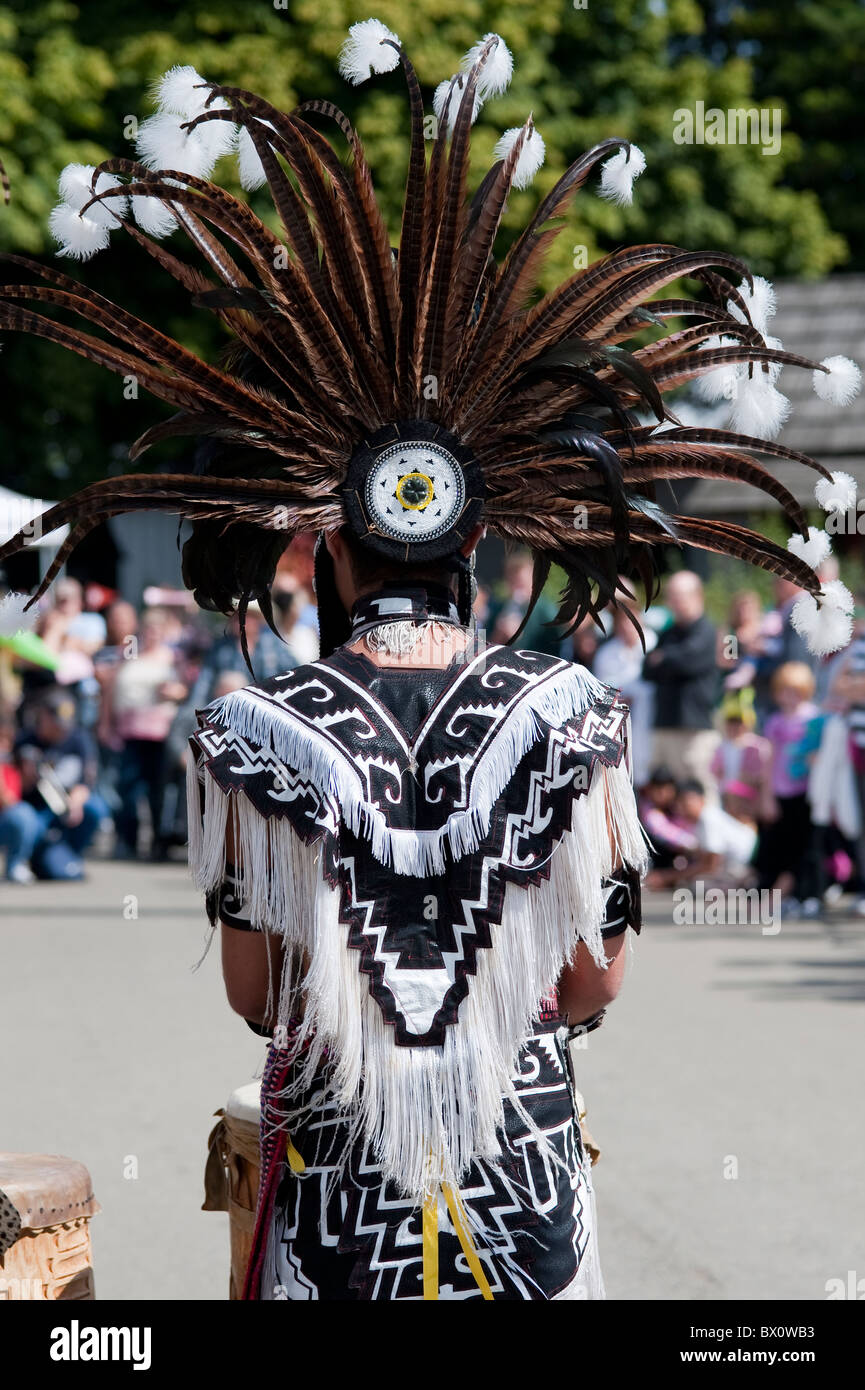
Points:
[[411, 394]]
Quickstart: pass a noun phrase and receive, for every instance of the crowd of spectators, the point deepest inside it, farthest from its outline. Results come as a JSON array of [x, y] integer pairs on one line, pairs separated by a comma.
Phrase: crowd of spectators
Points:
[[96, 706], [748, 752]]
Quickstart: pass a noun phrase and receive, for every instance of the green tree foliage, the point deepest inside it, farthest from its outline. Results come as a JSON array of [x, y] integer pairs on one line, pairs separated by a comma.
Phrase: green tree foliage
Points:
[[71, 76], [810, 57]]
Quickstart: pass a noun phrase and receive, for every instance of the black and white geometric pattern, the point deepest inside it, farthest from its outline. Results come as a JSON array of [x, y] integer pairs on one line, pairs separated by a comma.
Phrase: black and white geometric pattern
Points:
[[418, 779], [338, 1233], [418, 935]]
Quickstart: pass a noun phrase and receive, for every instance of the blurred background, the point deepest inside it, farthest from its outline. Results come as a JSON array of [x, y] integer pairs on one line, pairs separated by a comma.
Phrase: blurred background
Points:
[[749, 752]]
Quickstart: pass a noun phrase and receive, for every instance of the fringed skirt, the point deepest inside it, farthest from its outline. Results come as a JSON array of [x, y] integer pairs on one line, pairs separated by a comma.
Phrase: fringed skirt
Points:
[[520, 1228]]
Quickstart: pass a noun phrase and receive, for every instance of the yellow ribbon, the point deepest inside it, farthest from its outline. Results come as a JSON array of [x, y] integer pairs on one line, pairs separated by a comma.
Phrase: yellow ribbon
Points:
[[431, 1243], [295, 1162], [431, 1247], [458, 1217], [430, 1233]]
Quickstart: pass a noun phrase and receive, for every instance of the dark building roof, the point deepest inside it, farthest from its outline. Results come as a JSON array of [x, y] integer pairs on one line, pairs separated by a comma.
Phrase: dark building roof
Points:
[[816, 320]]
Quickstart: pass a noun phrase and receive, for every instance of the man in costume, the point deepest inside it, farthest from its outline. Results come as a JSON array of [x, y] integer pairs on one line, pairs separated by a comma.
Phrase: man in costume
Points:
[[424, 853]]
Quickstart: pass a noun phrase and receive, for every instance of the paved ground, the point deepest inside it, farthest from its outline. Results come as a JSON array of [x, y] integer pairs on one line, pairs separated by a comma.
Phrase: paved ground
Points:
[[728, 1051]]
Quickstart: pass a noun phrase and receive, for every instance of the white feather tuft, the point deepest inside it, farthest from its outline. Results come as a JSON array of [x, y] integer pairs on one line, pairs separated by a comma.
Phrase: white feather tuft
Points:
[[826, 626], [179, 92], [841, 383], [837, 494], [152, 216], [161, 144], [530, 157], [618, 174], [759, 409], [440, 101], [77, 236], [760, 302], [814, 550], [363, 52], [721, 382], [496, 73], [217, 137], [75, 189], [773, 368], [13, 619], [249, 164]]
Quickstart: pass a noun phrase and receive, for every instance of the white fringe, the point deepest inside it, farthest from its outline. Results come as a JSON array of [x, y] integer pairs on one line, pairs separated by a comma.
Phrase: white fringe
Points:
[[152, 216], [758, 408], [249, 166], [77, 236], [427, 1111], [761, 302], [254, 716], [404, 636]]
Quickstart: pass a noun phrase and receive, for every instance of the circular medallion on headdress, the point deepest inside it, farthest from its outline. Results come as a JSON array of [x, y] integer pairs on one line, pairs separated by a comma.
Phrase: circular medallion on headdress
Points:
[[413, 492]]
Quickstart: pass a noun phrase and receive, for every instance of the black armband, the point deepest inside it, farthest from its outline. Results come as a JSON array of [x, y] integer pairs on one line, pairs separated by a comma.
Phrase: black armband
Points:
[[229, 904], [588, 1025], [623, 908], [261, 1029]]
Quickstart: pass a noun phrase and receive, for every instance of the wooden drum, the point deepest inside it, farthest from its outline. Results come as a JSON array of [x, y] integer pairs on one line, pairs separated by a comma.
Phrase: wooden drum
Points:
[[232, 1175], [50, 1258]]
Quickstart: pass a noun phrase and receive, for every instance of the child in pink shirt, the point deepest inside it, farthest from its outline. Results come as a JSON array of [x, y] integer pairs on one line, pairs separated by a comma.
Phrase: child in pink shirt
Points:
[[788, 857]]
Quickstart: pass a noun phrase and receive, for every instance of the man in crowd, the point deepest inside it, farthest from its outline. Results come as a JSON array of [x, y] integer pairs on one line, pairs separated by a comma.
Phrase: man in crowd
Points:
[[509, 606], [683, 669], [58, 815], [619, 662]]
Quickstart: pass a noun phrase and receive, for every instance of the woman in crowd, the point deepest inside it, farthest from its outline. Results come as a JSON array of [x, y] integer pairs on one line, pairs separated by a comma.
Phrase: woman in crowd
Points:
[[789, 856], [144, 696], [847, 692]]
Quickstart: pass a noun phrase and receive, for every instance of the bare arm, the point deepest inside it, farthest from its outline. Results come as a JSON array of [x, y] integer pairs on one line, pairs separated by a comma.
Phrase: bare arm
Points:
[[585, 989], [248, 957]]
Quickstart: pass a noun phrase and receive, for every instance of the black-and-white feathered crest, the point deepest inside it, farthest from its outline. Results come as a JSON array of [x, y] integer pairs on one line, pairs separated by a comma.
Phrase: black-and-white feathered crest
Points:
[[336, 339]]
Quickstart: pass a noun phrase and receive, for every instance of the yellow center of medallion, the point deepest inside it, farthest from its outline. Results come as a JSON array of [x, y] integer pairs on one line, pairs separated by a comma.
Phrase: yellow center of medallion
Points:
[[414, 491]]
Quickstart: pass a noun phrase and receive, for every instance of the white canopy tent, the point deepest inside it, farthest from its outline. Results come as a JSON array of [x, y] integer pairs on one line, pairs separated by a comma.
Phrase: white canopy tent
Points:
[[17, 510], [147, 542]]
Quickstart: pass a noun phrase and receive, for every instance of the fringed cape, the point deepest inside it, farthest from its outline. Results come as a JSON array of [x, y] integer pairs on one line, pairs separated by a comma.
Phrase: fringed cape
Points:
[[429, 885]]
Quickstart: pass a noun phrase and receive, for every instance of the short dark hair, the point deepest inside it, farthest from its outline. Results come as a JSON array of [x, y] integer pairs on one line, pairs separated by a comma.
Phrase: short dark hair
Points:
[[368, 567], [59, 704], [662, 777], [692, 785]]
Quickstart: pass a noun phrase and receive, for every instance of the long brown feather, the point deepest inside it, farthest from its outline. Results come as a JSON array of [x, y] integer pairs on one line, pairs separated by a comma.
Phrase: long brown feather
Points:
[[321, 342], [163, 352], [411, 235], [479, 245], [436, 340], [525, 255]]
